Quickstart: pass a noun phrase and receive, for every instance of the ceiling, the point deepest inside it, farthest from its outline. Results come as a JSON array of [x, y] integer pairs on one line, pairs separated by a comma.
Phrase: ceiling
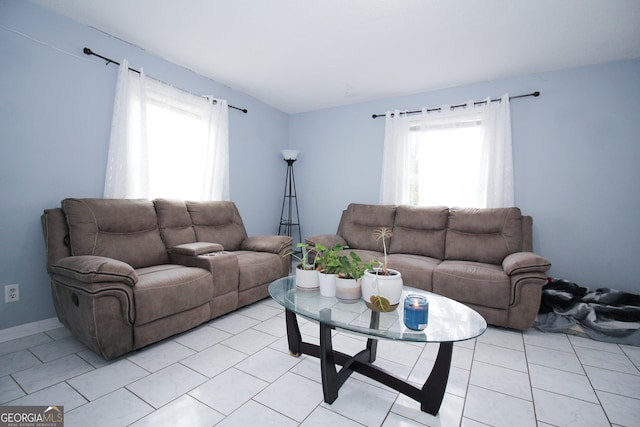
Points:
[[304, 55]]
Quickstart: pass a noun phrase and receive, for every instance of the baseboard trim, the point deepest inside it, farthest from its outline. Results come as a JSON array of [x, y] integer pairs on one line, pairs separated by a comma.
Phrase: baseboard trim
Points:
[[29, 329]]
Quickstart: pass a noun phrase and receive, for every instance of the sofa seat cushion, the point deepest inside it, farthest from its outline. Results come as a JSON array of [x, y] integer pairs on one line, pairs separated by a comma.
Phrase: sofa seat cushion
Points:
[[164, 290], [416, 270], [257, 268], [473, 283]]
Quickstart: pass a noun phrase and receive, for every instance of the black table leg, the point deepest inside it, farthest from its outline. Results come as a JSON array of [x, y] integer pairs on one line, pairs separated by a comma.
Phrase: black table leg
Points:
[[432, 392], [372, 344], [330, 384], [430, 395], [332, 379], [293, 333]]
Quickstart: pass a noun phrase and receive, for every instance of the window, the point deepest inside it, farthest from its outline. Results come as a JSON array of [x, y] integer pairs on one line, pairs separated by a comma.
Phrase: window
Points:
[[166, 142], [455, 157], [445, 164], [177, 148]]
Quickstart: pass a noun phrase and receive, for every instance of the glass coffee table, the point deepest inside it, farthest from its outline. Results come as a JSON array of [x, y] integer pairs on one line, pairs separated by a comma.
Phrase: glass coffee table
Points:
[[449, 321]]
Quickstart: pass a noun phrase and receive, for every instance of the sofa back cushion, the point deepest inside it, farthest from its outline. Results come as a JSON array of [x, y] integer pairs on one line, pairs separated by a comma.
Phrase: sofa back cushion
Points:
[[175, 222], [359, 222], [123, 229], [420, 231], [483, 235], [217, 222]]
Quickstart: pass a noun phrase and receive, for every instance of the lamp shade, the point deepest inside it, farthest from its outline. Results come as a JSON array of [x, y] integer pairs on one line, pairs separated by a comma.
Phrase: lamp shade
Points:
[[290, 154]]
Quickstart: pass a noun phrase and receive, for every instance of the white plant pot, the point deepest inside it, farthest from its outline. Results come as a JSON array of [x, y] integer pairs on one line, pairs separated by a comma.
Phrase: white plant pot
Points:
[[306, 279], [327, 284], [348, 290], [388, 287]]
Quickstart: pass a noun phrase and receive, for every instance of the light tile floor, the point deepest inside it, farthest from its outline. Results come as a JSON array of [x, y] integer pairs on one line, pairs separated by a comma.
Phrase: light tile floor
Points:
[[237, 371]]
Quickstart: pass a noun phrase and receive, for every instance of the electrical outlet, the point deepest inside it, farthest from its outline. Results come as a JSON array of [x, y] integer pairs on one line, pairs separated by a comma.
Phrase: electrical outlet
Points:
[[11, 293]]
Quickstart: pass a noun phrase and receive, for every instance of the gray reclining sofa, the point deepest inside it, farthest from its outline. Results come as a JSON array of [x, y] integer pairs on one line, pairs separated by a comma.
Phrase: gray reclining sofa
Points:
[[480, 257], [128, 273]]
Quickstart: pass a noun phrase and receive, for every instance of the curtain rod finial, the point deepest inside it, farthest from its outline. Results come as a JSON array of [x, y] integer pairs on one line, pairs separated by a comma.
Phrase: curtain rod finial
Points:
[[87, 51]]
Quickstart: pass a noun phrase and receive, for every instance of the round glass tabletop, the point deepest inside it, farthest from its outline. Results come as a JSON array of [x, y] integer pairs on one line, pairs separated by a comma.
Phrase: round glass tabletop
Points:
[[448, 320]]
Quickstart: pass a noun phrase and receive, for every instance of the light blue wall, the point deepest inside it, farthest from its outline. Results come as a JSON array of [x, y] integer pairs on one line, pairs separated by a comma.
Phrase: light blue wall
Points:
[[576, 154], [55, 117]]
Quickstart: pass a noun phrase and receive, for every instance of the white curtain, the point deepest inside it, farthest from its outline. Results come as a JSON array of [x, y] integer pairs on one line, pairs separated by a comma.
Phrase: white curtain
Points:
[[497, 154], [127, 163], [394, 188], [166, 142], [216, 181], [495, 177]]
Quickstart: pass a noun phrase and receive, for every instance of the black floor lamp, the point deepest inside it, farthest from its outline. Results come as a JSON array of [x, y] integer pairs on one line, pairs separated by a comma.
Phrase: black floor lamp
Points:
[[290, 217]]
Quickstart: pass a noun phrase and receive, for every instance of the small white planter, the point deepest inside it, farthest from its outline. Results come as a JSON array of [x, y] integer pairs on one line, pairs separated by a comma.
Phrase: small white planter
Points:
[[306, 279], [327, 284], [388, 287], [348, 290]]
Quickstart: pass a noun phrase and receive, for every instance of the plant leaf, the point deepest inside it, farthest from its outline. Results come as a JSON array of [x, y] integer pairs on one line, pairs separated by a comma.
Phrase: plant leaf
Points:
[[381, 303]]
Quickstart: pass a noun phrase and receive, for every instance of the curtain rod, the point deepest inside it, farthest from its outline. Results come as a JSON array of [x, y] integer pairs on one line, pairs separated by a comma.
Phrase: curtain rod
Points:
[[536, 93], [88, 51]]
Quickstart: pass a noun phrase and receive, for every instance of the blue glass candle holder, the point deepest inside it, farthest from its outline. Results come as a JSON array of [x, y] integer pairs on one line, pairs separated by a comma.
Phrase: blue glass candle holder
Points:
[[416, 312]]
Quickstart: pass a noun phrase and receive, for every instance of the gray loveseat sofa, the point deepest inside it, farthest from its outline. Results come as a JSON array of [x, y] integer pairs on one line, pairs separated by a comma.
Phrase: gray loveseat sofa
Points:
[[128, 273], [480, 257]]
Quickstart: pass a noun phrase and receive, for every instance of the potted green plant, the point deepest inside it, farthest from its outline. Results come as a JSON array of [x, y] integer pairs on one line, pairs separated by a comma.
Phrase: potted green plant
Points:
[[327, 264], [306, 273], [381, 285], [348, 277]]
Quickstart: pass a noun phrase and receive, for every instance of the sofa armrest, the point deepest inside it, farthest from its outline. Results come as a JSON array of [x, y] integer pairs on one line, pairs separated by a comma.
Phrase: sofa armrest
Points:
[[525, 299], [525, 262], [273, 244], [196, 248], [95, 269], [327, 240]]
